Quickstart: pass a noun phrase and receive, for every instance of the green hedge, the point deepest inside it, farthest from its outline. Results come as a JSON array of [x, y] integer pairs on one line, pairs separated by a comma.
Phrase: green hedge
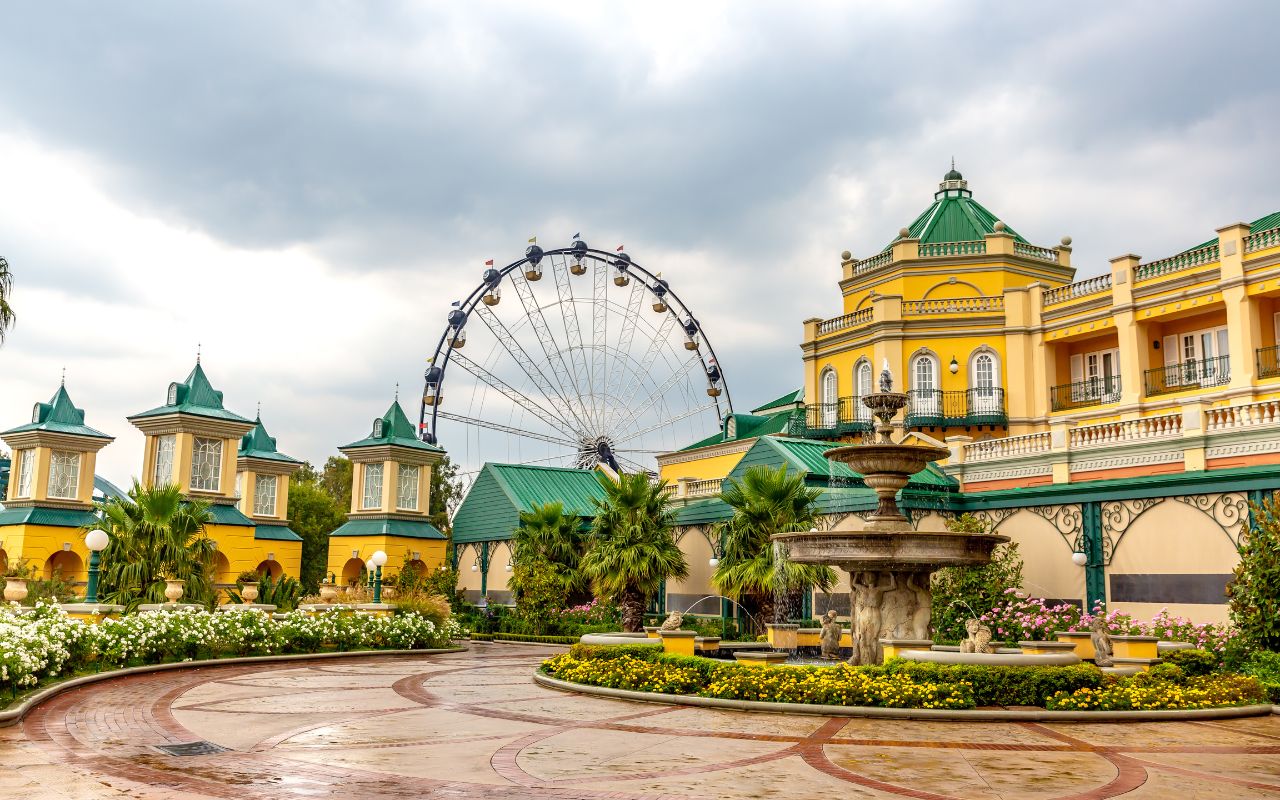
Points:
[[1002, 685], [518, 637]]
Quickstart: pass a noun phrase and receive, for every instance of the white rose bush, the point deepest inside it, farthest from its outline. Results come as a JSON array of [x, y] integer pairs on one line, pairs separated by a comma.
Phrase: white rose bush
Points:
[[46, 643]]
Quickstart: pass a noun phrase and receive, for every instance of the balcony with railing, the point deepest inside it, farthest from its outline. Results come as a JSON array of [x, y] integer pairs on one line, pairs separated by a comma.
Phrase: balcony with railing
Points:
[[1192, 258], [1202, 373], [851, 320], [1082, 394], [1084, 288], [955, 305], [845, 417], [1268, 361], [963, 408]]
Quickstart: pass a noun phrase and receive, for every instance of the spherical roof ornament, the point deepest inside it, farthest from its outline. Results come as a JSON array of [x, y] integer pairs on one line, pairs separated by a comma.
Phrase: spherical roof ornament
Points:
[[846, 256], [953, 175], [904, 233], [999, 226], [1066, 241]]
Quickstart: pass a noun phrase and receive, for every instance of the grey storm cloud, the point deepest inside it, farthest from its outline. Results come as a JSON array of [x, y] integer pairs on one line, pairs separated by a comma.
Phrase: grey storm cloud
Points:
[[756, 141]]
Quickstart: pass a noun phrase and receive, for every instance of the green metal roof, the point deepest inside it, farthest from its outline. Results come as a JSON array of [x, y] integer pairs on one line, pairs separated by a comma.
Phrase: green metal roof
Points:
[[59, 415], [56, 517], [408, 529], [1266, 223], [276, 533], [491, 509], [747, 426], [229, 515], [195, 396], [954, 216], [788, 399], [393, 428], [257, 444], [807, 455]]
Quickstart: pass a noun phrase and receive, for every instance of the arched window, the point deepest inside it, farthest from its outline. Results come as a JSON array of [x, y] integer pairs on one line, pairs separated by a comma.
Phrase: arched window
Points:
[[925, 397], [984, 384], [862, 388], [830, 398]]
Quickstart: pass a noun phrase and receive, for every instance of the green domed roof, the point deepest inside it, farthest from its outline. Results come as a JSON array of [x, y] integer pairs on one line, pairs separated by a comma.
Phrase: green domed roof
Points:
[[954, 216]]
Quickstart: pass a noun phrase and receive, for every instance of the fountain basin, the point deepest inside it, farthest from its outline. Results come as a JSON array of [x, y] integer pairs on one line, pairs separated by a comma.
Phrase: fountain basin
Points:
[[895, 459], [890, 551]]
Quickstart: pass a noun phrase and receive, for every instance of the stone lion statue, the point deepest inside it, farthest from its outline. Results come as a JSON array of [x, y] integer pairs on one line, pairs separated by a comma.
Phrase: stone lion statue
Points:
[[979, 640], [672, 622], [831, 633], [1103, 655]]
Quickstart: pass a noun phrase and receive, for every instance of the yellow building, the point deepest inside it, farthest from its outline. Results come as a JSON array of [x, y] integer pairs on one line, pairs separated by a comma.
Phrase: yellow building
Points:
[[50, 493], [1129, 417], [193, 441], [390, 502], [262, 481]]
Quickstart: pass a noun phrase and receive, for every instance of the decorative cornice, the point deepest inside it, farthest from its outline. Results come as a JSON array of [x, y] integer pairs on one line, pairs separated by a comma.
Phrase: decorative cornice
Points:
[[1030, 471], [710, 451], [1121, 461], [392, 452], [55, 440], [266, 466], [193, 424]]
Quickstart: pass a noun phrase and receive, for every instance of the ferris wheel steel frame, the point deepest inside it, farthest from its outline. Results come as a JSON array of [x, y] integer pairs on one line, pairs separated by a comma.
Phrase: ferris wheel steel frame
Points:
[[572, 419]]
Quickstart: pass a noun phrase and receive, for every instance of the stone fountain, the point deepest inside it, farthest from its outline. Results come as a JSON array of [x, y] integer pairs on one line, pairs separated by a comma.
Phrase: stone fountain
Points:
[[889, 564]]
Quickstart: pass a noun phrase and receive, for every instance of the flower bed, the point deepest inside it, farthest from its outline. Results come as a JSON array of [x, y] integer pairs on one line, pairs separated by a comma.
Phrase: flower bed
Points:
[[901, 684], [48, 644]]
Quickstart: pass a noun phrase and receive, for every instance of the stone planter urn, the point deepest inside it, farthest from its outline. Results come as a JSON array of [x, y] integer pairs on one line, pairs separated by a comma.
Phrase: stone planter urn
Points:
[[173, 590], [248, 593], [388, 593], [328, 592], [15, 589]]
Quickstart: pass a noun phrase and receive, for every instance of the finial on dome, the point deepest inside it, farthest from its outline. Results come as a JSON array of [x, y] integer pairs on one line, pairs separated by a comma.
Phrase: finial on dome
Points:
[[954, 174], [197, 352], [64, 376]]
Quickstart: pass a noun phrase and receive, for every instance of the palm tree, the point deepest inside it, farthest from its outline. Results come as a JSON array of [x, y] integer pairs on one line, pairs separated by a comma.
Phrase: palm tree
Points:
[[156, 535], [765, 502], [547, 533], [632, 550], [6, 288]]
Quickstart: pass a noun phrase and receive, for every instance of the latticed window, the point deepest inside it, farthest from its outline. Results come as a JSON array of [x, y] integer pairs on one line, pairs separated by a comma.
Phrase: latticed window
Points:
[[206, 464], [26, 466], [163, 471], [407, 487], [64, 474], [372, 486], [264, 495]]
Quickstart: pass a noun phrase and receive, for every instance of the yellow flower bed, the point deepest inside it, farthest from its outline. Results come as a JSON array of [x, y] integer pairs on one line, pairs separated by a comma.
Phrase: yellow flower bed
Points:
[[1142, 694]]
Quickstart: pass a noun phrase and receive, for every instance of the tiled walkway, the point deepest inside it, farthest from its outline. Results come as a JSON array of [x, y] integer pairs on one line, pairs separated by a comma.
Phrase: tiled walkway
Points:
[[474, 725]]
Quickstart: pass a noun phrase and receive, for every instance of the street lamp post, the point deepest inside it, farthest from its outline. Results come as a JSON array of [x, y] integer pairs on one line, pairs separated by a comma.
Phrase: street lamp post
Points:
[[95, 540], [377, 560]]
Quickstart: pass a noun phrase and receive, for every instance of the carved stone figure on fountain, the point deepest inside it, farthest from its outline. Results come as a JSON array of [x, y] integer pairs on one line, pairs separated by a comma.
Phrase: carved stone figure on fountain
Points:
[[918, 583], [868, 619], [979, 640], [673, 622], [1103, 655], [831, 633]]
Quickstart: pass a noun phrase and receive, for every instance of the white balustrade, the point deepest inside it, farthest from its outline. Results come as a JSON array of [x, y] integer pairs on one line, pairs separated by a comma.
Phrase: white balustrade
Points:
[[1125, 431], [1039, 253], [1100, 283], [957, 305], [1262, 240], [1266, 412], [1192, 258], [859, 317], [1008, 447]]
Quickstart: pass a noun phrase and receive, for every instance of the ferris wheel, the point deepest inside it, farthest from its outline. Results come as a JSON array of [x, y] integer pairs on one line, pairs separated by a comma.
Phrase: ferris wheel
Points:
[[572, 357]]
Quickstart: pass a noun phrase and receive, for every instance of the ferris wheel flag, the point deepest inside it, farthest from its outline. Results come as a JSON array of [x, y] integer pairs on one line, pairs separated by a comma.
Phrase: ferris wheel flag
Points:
[[577, 236], [489, 263], [619, 248], [533, 240]]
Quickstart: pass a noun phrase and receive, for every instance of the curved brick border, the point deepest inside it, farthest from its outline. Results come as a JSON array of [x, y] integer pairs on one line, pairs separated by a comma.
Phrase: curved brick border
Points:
[[1038, 715], [16, 714]]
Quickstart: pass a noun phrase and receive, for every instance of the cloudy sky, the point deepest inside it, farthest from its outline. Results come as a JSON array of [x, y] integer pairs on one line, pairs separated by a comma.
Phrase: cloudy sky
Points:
[[303, 188]]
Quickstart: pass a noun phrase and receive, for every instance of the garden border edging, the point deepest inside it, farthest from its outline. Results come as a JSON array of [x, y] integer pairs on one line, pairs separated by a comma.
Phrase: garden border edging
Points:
[[965, 715], [12, 716]]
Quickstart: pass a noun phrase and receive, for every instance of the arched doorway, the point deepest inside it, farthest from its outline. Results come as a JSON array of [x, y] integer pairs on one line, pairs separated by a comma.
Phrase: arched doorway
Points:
[[352, 571], [222, 569], [272, 568], [67, 565]]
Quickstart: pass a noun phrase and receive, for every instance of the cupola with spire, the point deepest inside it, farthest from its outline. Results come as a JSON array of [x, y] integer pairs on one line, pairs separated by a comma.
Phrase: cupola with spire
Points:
[[390, 502]]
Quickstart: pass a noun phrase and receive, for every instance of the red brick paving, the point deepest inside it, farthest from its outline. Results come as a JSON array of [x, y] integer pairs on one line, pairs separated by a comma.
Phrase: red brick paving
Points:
[[104, 734]]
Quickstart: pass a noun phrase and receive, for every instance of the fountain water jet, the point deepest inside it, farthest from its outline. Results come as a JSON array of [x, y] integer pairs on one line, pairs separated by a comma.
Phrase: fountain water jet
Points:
[[887, 557]]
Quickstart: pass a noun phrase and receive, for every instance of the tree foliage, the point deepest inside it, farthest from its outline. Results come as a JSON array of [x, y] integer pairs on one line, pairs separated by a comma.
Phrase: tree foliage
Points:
[[313, 515], [963, 593], [547, 535], [1254, 592], [446, 494], [7, 317], [335, 479], [156, 535], [632, 550], [753, 567]]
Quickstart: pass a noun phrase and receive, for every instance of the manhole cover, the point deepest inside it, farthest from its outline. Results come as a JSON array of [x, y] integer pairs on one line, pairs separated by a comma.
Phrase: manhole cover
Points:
[[191, 749]]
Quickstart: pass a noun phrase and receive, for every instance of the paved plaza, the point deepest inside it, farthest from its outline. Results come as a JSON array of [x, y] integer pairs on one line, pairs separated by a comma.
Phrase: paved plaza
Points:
[[474, 725]]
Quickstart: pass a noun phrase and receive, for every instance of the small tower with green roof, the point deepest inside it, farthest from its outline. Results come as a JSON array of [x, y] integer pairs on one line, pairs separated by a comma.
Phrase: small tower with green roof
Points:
[[390, 501], [50, 493], [193, 442], [262, 481]]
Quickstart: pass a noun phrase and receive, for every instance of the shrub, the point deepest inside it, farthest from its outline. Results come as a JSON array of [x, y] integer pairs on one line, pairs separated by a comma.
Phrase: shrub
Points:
[[1002, 685], [1020, 618], [604, 652], [1143, 692], [1193, 661], [962, 593], [1264, 665], [1254, 592], [842, 685]]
